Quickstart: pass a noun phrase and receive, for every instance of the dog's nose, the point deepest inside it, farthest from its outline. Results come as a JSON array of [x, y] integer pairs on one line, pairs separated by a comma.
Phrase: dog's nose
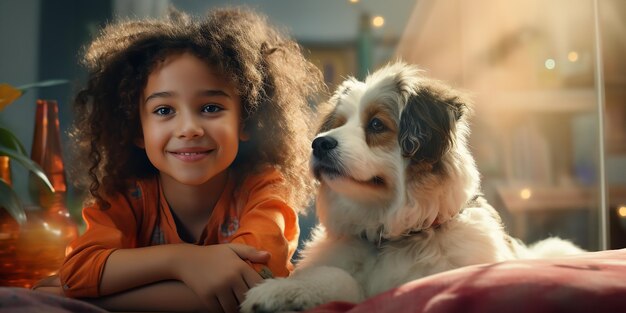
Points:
[[322, 145]]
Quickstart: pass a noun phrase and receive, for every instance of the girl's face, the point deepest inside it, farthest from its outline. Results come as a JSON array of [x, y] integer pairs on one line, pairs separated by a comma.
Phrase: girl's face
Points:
[[191, 120]]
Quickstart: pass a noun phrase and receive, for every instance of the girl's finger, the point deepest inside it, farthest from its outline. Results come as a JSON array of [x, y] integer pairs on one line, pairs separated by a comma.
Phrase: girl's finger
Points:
[[227, 301], [239, 290], [251, 278], [213, 305], [249, 253]]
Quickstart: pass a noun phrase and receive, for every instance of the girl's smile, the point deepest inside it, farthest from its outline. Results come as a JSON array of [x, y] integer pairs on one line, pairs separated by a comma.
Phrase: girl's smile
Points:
[[191, 154]]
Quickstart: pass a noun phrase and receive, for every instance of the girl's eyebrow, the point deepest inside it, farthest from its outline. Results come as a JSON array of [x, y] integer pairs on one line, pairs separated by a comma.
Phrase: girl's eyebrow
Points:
[[168, 94], [162, 94], [214, 93]]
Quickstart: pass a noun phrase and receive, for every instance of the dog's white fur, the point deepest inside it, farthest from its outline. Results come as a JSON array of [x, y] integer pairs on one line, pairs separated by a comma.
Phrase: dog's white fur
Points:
[[395, 203]]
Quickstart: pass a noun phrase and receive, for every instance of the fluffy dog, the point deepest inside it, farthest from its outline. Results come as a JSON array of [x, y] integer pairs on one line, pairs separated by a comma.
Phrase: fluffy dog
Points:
[[399, 196]]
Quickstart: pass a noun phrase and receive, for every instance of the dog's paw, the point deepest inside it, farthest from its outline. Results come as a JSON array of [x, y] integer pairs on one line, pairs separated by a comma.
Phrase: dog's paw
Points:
[[277, 295]]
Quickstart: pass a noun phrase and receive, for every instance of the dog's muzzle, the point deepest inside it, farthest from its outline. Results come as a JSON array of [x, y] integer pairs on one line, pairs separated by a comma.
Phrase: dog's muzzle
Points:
[[322, 146], [325, 157]]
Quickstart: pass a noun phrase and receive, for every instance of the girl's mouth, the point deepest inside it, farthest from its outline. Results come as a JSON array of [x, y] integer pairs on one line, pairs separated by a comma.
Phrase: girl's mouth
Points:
[[190, 156]]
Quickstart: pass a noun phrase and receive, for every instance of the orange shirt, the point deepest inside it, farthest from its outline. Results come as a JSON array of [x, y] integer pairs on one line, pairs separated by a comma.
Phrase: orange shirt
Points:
[[253, 213]]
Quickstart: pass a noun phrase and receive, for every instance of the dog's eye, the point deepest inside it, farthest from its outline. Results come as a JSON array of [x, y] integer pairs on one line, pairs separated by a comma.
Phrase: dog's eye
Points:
[[376, 125]]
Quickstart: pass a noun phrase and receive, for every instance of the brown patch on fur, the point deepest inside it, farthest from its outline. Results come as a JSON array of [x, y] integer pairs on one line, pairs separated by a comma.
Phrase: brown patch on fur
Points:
[[332, 120], [415, 170], [387, 138]]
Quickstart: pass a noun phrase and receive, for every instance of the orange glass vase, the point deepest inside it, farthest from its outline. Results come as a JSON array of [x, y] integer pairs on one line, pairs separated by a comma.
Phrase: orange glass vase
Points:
[[35, 249]]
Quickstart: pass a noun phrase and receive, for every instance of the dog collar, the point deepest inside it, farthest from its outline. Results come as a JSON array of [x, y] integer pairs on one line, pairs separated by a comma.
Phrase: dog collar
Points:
[[382, 240], [474, 201]]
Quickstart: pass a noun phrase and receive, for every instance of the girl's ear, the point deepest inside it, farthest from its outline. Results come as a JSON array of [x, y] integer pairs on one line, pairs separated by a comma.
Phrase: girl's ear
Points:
[[243, 135], [140, 143]]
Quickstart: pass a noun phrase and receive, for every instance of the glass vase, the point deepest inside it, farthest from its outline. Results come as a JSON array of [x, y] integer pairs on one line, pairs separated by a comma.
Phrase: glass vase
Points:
[[36, 249]]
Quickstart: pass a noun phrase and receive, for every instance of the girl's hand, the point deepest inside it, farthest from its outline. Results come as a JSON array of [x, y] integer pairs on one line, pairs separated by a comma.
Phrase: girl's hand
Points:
[[219, 274]]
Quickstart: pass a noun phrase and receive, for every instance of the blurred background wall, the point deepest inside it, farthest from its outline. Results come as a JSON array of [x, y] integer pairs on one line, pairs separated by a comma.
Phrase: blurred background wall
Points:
[[529, 65]]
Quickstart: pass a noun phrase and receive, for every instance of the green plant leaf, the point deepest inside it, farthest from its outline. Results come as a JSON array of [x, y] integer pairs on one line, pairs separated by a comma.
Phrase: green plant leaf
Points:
[[28, 164], [46, 83], [8, 140], [11, 202]]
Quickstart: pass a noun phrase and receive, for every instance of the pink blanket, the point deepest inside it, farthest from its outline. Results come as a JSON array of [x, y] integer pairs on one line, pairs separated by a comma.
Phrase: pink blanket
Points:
[[21, 300]]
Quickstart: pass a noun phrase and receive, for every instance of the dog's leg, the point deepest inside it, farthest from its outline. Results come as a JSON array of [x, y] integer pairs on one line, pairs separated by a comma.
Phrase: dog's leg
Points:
[[305, 289]]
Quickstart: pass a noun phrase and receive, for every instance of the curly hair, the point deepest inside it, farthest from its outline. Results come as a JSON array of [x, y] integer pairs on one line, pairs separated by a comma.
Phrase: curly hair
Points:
[[275, 82]]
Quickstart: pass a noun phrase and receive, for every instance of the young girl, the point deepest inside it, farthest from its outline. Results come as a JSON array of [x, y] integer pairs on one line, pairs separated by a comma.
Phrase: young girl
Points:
[[195, 140]]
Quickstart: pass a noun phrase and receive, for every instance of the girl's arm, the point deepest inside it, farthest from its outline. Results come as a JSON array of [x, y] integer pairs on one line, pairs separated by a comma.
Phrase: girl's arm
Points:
[[267, 222], [172, 295], [105, 260], [217, 274], [164, 296]]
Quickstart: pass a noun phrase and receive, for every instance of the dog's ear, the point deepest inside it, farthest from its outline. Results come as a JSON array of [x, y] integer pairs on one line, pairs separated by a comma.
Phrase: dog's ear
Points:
[[427, 123]]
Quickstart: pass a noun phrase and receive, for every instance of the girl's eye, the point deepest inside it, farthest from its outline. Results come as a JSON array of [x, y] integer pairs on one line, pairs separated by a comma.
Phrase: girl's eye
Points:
[[376, 125], [163, 111], [211, 108]]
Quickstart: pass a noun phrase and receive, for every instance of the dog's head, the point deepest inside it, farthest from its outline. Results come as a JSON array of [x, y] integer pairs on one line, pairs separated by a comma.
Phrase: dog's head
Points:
[[392, 154]]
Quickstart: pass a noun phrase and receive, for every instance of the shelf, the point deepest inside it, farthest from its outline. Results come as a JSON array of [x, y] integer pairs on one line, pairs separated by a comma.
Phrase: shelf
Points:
[[526, 199], [555, 101]]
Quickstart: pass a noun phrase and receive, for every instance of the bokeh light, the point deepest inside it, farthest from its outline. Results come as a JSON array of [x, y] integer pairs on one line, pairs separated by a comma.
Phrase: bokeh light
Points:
[[378, 21]]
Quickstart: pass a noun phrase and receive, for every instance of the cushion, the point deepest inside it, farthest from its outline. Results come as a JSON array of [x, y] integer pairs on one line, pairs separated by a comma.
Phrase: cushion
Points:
[[589, 282]]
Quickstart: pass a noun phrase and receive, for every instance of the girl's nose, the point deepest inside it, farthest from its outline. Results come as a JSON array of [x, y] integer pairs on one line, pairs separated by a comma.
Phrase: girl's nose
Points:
[[189, 128]]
